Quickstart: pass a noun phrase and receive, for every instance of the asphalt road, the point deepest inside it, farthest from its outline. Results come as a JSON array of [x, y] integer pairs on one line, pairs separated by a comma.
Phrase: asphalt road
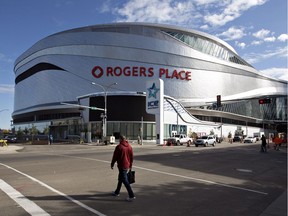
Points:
[[229, 179]]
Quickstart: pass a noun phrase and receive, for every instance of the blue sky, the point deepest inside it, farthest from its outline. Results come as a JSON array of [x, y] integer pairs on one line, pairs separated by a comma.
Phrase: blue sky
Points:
[[257, 29]]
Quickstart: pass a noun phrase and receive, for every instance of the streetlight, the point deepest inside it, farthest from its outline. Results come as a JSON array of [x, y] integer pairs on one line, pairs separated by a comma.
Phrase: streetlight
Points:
[[105, 105]]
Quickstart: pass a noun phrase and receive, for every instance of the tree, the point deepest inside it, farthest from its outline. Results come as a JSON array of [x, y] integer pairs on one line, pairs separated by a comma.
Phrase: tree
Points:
[[26, 131], [20, 133], [46, 130], [33, 131]]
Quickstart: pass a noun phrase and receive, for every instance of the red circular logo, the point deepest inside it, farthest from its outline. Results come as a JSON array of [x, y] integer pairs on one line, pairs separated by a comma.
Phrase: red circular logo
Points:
[[97, 72]]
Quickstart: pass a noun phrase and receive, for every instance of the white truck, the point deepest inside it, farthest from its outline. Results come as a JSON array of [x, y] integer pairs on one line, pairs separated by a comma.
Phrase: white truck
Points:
[[179, 139], [258, 135]]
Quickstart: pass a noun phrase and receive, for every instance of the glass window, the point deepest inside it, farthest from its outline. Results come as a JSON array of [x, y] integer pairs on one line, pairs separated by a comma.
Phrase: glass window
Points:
[[208, 47], [129, 131], [225, 55], [192, 41], [220, 50], [153, 131], [186, 39], [221, 53], [123, 128], [136, 130], [204, 46], [182, 37], [96, 130], [198, 44], [217, 51], [178, 36], [212, 49], [149, 132]]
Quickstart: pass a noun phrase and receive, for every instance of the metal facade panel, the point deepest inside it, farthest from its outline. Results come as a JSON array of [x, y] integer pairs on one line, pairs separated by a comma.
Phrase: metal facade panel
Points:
[[79, 52]]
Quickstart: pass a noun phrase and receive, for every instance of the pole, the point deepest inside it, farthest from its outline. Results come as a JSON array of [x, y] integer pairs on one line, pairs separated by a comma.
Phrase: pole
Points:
[[105, 116], [141, 130], [105, 107]]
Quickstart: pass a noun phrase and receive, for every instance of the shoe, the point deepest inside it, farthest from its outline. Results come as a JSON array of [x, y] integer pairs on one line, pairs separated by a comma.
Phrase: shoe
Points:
[[114, 194], [130, 199]]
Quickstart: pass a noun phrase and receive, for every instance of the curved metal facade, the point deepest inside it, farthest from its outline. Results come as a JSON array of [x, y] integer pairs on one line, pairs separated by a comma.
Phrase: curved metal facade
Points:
[[194, 66]]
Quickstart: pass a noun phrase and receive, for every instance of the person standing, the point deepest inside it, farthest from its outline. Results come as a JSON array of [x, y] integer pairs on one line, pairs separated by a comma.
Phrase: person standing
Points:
[[123, 155], [50, 137], [277, 141], [263, 144]]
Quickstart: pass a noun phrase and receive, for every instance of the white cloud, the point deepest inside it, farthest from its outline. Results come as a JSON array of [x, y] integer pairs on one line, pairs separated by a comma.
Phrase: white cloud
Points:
[[232, 33], [5, 58], [205, 2], [231, 11], [105, 7], [204, 27], [181, 12], [283, 37], [256, 42], [256, 57], [266, 36], [270, 39], [263, 33], [240, 44], [279, 73], [169, 11], [5, 88], [219, 19]]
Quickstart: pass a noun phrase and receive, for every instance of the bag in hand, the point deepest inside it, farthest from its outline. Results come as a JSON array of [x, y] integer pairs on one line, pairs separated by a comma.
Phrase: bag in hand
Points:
[[131, 176]]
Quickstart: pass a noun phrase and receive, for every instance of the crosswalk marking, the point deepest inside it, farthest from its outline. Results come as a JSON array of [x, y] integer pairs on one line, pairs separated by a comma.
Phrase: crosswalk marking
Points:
[[56, 191], [25, 203]]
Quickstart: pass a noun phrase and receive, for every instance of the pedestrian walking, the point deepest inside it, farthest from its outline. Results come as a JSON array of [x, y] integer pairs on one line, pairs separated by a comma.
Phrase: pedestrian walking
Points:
[[263, 144], [123, 155], [277, 141], [50, 137]]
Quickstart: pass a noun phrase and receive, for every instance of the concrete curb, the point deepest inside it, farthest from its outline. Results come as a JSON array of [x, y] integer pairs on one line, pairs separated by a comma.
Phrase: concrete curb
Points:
[[10, 149]]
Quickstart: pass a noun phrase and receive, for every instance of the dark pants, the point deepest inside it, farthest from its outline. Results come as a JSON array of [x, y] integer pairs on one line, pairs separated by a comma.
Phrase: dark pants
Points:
[[263, 148], [123, 178]]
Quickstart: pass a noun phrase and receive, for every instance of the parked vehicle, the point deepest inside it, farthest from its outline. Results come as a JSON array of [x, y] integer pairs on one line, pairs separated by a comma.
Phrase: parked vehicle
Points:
[[10, 139], [179, 139], [250, 139], [205, 140], [219, 139], [237, 139]]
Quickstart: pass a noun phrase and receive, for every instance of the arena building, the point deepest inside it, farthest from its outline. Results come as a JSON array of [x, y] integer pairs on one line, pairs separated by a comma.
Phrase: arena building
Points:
[[208, 87]]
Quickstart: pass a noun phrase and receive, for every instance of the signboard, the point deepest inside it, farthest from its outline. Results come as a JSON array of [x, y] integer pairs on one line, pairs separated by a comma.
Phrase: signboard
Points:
[[154, 105], [140, 71], [153, 97]]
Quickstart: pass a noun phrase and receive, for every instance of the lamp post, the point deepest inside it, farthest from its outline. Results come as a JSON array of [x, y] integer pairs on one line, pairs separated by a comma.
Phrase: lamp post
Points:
[[105, 106]]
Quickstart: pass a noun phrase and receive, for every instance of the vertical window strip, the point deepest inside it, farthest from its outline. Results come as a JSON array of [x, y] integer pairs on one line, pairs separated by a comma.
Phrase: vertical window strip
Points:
[[207, 47]]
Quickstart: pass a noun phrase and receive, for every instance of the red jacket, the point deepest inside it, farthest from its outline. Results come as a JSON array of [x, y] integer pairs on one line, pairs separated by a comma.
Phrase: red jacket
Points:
[[123, 155]]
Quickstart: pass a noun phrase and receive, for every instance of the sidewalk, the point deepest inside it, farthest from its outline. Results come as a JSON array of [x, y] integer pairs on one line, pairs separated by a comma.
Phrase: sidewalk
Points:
[[10, 149], [278, 207]]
